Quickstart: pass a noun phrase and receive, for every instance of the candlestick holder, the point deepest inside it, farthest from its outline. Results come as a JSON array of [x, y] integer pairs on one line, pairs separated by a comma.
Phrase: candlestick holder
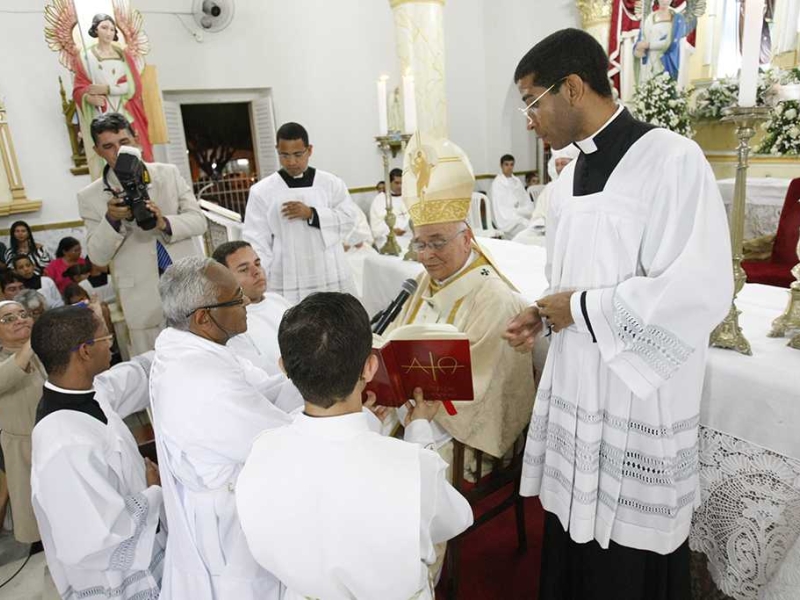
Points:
[[789, 321], [728, 334], [391, 143]]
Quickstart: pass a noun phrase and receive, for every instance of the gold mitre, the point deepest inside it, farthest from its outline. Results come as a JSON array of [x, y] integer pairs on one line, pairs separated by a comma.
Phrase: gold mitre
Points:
[[437, 181]]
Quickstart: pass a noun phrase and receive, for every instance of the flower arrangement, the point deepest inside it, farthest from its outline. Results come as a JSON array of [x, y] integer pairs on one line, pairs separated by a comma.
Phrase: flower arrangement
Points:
[[660, 102], [783, 127], [711, 101]]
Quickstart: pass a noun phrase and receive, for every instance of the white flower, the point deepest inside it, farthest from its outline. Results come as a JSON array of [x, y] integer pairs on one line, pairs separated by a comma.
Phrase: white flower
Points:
[[790, 114], [779, 109], [794, 131]]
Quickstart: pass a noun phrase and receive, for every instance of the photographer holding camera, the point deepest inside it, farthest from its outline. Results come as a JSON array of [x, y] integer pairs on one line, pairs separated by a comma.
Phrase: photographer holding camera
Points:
[[139, 218]]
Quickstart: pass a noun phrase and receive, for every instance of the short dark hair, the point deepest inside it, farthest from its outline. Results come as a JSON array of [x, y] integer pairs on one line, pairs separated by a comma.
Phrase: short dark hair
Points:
[[292, 131], [99, 18], [567, 52], [17, 257], [74, 290], [110, 122], [223, 251], [325, 341], [395, 173], [65, 245], [8, 278], [76, 271], [506, 158], [58, 331]]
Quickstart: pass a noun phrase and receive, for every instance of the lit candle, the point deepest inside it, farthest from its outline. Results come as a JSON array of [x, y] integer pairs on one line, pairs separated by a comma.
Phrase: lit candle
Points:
[[383, 117], [409, 104], [751, 51]]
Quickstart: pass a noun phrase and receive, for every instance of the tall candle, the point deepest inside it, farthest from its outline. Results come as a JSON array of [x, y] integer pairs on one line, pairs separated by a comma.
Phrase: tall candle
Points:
[[409, 104], [751, 51], [383, 117]]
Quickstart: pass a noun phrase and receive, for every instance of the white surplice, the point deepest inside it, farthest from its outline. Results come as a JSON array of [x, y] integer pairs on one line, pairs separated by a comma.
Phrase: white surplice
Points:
[[301, 259], [97, 516], [377, 221], [208, 407], [511, 205], [356, 515], [361, 232], [259, 344], [612, 446]]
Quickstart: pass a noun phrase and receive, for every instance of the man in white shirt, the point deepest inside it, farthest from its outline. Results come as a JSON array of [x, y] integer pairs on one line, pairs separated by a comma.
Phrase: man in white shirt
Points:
[[23, 266], [377, 214], [511, 205], [259, 344], [639, 267], [97, 502], [208, 406], [356, 514], [297, 219]]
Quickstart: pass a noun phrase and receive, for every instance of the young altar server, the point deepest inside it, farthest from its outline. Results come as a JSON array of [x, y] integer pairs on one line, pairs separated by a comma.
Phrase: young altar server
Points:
[[511, 204], [639, 267], [297, 220], [356, 514], [96, 500], [208, 406]]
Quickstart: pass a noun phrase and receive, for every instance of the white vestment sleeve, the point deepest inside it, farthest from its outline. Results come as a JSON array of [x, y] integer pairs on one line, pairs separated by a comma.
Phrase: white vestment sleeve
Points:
[[445, 512], [126, 386], [256, 229], [647, 326], [337, 220], [419, 431], [377, 218], [51, 294], [277, 388], [93, 526]]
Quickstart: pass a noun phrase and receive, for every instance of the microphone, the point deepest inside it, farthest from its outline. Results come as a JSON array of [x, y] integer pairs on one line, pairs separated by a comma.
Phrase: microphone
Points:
[[387, 316]]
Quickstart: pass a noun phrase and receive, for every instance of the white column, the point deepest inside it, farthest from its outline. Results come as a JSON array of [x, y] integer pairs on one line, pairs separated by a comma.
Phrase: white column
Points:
[[419, 31]]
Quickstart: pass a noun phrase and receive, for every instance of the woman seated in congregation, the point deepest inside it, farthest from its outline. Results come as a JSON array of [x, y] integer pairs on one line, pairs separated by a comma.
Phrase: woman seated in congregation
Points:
[[21, 242], [67, 255]]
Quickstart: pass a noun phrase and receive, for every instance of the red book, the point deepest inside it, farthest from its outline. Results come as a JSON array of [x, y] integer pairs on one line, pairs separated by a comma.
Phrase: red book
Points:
[[433, 357]]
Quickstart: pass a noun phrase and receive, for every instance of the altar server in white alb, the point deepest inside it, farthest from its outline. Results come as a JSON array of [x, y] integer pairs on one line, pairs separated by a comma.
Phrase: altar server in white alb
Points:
[[639, 267], [511, 204], [297, 220], [97, 502], [355, 514], [259, 344], [208, 407]]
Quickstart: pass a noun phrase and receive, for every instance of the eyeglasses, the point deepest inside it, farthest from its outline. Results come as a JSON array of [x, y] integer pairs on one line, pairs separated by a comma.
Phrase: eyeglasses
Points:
[[294, 155], [531, 109], [238, 301], [14, 317], [436, 245], [105, 338]]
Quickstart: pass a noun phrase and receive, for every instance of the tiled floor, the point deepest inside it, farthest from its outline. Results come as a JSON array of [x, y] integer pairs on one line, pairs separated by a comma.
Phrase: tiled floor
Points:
[[29, 583]]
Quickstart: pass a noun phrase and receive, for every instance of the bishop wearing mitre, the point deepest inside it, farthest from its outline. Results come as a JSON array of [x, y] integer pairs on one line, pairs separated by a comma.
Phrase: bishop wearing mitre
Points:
[[463, 287]]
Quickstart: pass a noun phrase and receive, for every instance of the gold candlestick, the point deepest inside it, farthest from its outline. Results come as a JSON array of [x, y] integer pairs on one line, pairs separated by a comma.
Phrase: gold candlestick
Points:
[[728, 334], [789, 321], [394, 143]]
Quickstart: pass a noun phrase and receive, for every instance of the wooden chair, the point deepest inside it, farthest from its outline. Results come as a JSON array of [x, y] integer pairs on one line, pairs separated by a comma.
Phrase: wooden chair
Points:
[[500, 476]]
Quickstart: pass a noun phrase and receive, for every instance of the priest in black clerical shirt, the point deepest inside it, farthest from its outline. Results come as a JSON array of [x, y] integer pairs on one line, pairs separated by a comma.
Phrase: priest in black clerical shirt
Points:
[[640, 274], [97, 502]]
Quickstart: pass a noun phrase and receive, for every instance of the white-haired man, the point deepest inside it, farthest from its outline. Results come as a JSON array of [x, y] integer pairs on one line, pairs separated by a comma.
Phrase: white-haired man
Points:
[[208, 407]]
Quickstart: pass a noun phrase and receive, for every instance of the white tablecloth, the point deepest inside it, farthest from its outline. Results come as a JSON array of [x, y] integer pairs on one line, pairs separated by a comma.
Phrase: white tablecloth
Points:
[[749, 521], [765, 196]]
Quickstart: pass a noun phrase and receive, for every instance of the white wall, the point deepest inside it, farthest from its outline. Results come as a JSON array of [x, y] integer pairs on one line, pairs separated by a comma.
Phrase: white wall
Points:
[[320, 57]]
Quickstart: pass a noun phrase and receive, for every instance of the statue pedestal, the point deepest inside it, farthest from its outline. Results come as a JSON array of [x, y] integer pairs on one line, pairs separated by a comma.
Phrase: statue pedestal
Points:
[[13, 199]]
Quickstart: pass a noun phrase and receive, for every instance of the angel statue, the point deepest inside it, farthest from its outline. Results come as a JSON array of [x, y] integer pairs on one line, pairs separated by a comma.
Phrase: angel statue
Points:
[[660, 35], [107, 75]]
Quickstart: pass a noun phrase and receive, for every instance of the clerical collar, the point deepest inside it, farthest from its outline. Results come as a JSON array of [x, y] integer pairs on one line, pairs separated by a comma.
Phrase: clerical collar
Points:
[[55, 398], [588, 146], [51, 386], [300, 181]]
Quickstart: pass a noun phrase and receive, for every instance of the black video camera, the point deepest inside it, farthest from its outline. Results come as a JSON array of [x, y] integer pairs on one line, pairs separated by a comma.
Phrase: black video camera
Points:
[[133, 177]]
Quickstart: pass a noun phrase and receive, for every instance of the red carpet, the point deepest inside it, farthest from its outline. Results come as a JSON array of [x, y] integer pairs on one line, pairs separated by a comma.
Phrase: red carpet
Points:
[[491, 568]]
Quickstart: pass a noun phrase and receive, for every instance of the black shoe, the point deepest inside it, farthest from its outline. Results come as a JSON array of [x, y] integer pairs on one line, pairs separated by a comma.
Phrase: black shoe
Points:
[[36, 547]]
